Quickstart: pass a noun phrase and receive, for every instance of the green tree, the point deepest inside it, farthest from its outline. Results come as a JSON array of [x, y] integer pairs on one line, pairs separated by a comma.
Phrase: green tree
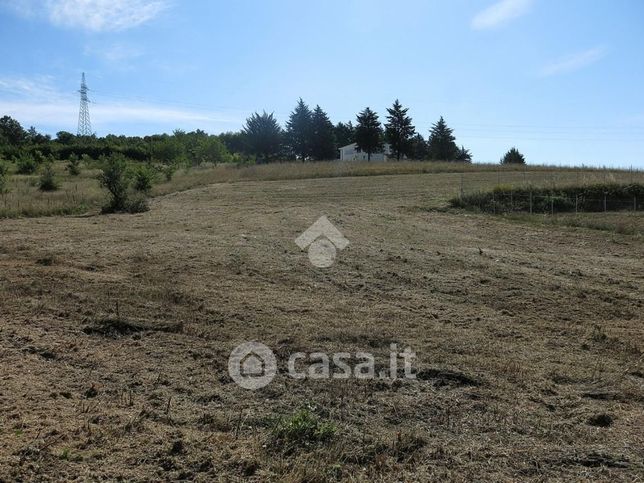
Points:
[[299, 131], [418, 147], [34, 137], [442, 145], [12, 131], [47, 178], [369, 132], [64, 137], [513, 156], [235, 142], [143, 178], [323, 136], [166, 149], [211, 150], [399, 130], [464, 155], [114, 179], [263, 136], [73, 165], [345, 134]]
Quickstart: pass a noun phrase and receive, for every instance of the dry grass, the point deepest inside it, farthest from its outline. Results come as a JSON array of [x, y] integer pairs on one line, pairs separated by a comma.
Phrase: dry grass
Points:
[[82, 194], [116, 330]]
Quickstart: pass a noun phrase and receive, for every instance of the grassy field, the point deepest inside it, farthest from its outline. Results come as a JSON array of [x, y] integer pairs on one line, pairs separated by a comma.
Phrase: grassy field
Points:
[[82, 194], [115, 334]]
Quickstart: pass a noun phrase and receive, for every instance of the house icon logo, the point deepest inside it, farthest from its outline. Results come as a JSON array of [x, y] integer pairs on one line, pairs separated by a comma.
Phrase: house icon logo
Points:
[[322, 239], [252, 365]]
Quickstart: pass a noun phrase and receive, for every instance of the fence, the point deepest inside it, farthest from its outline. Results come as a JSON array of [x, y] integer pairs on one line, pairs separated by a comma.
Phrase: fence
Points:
[[543, 191]]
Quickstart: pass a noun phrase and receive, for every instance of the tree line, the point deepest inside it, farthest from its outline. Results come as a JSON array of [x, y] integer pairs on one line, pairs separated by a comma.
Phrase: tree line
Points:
[[308, 135]]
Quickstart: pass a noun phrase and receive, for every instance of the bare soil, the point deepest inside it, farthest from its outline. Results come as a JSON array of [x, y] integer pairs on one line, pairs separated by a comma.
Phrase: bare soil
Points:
[[115, 333]]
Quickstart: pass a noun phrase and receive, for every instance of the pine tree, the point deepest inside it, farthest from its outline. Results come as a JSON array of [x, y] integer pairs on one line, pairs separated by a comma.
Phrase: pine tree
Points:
[[418, 147], [464, 155], [263, 136], [399, 130], [298, 131], [323, 136], [369, 132], [442, 145], [513, 156], [345, 134]]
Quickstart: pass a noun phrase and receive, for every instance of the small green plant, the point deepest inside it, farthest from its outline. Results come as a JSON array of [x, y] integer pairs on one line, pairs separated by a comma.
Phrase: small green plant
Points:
[[114, 179], [26, 164], [47, 180], [137, 203], [4, 176], [168, 171], [301, 429], [74, 165], [143, 178]]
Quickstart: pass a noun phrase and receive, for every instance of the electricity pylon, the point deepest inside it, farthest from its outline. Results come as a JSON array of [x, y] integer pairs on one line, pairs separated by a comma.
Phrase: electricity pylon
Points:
[[84, 123]]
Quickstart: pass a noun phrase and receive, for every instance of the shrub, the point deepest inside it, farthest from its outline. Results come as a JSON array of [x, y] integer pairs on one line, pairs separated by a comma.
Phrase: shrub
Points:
[[47, 180], [137, 203], [26, 164], [143, 177], [564, 199], [513, 156], [301, 429], [168, 171], [114, 179], [4, 176], [73, 165]]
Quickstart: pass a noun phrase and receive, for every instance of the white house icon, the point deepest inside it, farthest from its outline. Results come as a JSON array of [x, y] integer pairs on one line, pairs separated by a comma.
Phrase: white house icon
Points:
[[322, 239]]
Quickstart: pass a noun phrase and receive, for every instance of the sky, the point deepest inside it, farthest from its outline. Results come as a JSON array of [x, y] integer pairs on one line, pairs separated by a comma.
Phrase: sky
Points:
[[563, 81]]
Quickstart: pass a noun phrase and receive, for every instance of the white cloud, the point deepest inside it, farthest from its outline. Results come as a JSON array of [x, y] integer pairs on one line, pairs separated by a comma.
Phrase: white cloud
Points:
[[499, 13], [92, 15], [574, 62], [38, 88], [118, 54]]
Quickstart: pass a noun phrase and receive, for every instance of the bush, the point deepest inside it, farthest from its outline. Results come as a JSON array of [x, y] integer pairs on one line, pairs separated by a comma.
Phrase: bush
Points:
[[513, 156], [47, 179], [564, 199], [114, 179], [26, 164], [301, 429], [168, 171], [137, 203], [143, 177], [73, 165], [4, 176]]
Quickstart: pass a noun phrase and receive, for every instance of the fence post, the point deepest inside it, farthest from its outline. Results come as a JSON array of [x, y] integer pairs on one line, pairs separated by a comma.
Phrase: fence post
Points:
[[531, 201], [576, 204], [604, 202], [552, 204], [494, 202]]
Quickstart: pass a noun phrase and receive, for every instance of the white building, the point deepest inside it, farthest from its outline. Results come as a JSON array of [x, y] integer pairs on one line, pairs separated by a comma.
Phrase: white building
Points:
[[352, 153]]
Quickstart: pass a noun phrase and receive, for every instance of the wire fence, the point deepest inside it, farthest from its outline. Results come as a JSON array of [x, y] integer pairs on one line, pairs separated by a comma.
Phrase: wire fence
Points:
[[552, 191], [530, 202]]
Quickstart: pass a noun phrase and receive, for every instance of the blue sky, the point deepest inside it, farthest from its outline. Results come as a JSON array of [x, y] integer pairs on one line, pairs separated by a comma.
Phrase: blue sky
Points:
[[561, 80]]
